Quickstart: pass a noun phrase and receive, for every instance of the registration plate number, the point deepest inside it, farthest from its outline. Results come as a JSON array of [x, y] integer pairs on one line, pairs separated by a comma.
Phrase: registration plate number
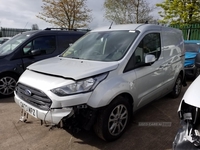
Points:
[[28, 109]]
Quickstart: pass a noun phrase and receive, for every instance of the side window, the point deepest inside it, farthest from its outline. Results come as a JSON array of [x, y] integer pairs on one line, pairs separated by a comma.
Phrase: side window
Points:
[[27, 48], [65, 41], [150, 44], [46, 44]]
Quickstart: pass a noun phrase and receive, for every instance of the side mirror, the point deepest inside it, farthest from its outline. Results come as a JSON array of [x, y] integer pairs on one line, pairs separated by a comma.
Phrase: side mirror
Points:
[[197, 60], [149, 58], [37, 52]]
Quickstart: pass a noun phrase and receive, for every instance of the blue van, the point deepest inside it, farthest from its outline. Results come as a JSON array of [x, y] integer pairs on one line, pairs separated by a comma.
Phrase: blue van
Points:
[[192, 48]]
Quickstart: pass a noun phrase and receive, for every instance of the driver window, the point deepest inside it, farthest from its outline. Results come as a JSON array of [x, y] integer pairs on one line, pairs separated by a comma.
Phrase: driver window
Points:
[[46, 44], [150, 44]]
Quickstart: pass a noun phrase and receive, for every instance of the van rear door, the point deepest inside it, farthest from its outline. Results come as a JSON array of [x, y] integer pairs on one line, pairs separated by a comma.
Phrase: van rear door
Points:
[[172, 50]]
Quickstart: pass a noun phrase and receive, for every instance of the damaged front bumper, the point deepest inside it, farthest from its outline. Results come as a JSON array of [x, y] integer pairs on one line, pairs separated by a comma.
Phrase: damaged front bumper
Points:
[[188, 136], [53, 115]]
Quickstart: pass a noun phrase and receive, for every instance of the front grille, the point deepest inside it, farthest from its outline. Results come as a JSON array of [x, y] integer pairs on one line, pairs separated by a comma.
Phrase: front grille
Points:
[[33, 96]]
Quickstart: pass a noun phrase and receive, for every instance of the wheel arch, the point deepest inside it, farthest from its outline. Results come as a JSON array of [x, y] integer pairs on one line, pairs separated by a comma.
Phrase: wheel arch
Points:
[[101, 126], [125, 96], [181, 74], [10, 73]]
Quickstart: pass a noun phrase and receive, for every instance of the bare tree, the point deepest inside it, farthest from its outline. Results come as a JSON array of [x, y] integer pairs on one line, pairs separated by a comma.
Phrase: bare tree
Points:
[[66, 13], [128, 11]]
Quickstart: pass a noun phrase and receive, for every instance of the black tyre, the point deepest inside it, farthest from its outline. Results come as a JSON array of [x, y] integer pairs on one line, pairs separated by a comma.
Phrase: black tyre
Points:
[[197, 72], [177, 87], [7, 85], [113, 120]]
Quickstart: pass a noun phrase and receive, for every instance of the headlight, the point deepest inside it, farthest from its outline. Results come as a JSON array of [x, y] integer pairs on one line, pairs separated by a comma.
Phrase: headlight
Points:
[[80, 86]]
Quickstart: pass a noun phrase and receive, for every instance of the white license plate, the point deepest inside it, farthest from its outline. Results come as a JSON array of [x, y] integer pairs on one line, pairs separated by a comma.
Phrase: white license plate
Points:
[[28, 109]]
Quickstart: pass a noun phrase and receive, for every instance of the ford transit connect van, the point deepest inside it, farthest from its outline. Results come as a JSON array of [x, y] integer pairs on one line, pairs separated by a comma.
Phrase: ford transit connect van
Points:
[[27, 48], [103, 77]]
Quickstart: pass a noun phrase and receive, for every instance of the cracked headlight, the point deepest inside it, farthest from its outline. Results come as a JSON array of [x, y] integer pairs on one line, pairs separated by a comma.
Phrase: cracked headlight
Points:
[[80, 86]]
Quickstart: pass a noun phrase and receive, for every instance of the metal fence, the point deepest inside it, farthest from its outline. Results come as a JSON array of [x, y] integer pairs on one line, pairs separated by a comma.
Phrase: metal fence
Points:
[[10, 32], [190, 32]]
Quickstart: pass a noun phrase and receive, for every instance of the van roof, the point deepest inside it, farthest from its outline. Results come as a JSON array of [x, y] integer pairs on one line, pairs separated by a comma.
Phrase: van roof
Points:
[[33, 32], [140, 27]]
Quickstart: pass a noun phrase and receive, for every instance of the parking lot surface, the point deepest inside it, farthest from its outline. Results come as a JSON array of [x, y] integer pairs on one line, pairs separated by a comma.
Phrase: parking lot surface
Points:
[[153, 127]]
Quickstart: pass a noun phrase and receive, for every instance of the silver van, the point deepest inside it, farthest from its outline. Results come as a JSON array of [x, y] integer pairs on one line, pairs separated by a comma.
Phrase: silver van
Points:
[[103, 77]]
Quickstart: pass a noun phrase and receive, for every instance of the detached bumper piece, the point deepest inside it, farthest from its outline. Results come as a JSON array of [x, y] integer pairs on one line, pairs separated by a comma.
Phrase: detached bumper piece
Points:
[[24, 116]]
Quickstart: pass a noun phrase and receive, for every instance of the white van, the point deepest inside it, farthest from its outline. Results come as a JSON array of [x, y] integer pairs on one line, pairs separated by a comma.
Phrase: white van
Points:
[[104, 77]]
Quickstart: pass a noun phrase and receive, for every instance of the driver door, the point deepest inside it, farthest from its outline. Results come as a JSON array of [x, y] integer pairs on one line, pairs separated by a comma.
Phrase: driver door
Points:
[[43, 47], [148, 77]]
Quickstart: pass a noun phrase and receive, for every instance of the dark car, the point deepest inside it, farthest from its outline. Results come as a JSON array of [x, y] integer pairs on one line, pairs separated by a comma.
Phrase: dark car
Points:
[[192, 48], [29, 47]]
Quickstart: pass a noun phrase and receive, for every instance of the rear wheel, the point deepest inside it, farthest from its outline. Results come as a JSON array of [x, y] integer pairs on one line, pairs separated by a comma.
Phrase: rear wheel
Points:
[[177, 87], [113, 120], [7, 84], [197, 72]]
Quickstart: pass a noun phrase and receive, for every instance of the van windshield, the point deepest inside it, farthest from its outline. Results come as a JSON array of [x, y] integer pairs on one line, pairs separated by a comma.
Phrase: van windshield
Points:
[[102, 46], [9, 46]]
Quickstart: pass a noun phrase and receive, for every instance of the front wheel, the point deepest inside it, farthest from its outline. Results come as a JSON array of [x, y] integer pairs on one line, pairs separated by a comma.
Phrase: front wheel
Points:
[[177, 87], [113, 120], [7, 85]]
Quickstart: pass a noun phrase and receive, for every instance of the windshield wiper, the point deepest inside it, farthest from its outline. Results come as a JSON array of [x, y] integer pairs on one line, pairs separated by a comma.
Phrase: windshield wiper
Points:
[[74, 57]]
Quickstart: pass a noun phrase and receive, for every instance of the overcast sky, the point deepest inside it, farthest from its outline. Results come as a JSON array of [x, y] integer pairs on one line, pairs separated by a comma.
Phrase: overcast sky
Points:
[[22, 13]]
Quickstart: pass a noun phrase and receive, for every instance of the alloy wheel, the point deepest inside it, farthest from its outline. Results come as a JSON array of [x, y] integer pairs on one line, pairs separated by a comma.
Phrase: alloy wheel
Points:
[[118, 120], [7, 85], [178, 86]]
